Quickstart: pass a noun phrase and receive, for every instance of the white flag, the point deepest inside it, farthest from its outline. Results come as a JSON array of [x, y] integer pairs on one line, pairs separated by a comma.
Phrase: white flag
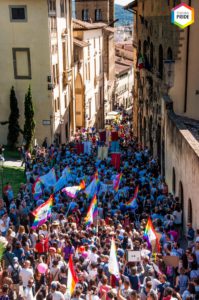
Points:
[[113, 266]]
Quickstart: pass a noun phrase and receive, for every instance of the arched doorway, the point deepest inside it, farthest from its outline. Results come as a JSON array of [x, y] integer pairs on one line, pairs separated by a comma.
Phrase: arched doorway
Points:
[[151, 135], [174, 181], [189, 217], [79, 102], [158, 138], [144, 133], [181, 198]]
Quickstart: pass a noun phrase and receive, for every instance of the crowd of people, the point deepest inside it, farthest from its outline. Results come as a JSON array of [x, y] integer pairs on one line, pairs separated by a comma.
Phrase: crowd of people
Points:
[[151, 278]]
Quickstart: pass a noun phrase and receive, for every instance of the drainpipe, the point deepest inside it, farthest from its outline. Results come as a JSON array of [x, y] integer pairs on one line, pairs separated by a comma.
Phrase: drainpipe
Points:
[[187, 67]]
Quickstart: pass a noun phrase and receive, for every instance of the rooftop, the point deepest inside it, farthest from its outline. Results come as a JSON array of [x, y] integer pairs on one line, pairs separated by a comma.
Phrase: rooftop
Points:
[[82, 25], [131, 5], [189, 128], [123, 61], [121, 69]]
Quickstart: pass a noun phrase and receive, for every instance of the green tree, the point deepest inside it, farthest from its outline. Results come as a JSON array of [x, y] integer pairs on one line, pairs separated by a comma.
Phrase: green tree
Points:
[[13, 127], [29, 125]]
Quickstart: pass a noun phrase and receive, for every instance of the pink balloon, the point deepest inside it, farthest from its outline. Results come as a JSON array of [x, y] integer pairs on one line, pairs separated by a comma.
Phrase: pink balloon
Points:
[[42, 268]]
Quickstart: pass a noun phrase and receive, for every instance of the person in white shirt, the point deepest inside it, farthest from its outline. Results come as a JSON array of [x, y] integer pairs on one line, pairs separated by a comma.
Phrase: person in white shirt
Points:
[[57, 295], [29, 290], [26, 273], [93, 256]]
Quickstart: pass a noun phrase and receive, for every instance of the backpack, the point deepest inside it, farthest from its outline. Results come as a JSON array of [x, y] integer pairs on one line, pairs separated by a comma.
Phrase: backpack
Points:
[[15, 275]]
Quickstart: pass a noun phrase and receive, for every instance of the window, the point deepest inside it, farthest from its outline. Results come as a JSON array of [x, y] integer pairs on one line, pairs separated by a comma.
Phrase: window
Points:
[[55, 103], [58, 103], [151, 55], [190, 212], [53, 24], [139, 46], [21, 63], [64, 55], [160, 68], [62, 10], [98, 15], [85, 15], [169, 54], [101, 96], [18, 13], [55, 74], [52, 6], [89, 108]]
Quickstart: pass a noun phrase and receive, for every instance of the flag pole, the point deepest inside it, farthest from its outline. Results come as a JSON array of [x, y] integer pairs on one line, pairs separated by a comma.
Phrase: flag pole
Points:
[[68, 210]]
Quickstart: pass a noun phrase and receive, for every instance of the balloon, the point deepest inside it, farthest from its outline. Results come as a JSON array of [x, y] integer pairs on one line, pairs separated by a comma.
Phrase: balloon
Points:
[[42, 268], [81, 249]]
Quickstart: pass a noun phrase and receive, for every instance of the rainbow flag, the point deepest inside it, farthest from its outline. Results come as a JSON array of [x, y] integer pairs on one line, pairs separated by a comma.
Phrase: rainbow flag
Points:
[[150, 235], [92, 212], [72, 191], [116, 182], [93, 187], [42, 213], [72, 279], [37, 189], [133, 202], [113, 266]]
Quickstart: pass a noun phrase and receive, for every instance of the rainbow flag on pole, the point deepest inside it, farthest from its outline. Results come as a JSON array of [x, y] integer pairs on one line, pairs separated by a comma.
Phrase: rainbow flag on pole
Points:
[[42, 213], [92, 212], [113, 266], [150, 235], [72, 191], [116, 182], [133, 202], [72, 277]]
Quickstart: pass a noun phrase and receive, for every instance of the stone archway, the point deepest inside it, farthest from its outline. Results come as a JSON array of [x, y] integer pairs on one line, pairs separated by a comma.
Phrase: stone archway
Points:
[[190, 212], [79, 102], [174, 181], [181, 198]]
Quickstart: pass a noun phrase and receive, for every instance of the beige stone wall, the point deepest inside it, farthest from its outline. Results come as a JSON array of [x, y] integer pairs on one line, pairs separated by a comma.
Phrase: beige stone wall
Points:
[[32, 34], [182, 154], [177, 93]]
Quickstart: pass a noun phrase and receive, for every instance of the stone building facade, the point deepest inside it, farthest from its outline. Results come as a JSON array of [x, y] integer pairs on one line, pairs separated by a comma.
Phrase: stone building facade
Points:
[[95, 11], [94, 71], [36, 50], [166, 114], [156, 44], [180, 120]]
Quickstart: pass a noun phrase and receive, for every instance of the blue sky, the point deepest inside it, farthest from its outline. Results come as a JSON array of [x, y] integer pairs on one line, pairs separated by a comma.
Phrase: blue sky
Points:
[[122, 2]]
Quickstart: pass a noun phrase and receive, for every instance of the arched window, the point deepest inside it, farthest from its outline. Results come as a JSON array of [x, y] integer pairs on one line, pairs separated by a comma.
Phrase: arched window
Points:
[[160, 69], [181, 198], [174, 181], [169, 54], [189, 217], [145, 48], [151, 55], [139, 46]]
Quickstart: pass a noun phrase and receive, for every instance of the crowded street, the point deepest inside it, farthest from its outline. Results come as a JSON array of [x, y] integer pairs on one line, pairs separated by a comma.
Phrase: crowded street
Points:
[[95, 220]]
